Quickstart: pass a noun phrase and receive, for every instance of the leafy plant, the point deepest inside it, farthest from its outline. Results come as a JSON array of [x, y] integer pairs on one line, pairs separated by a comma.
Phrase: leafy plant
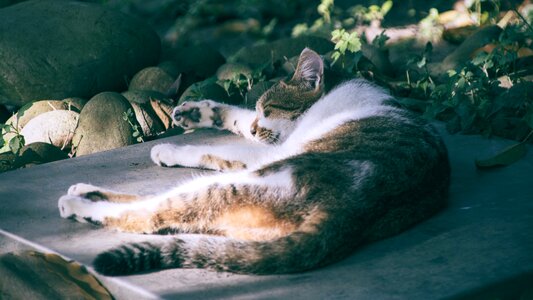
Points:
[[129, 117], [324, 9], [16, 142], [474, 100], [485, 11], [422, 85], [242, 82], [372, 14], [344, 41], [322, 25]]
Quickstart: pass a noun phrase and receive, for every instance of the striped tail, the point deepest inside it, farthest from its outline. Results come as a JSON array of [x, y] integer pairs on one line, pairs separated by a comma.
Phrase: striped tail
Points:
[[293, 253]]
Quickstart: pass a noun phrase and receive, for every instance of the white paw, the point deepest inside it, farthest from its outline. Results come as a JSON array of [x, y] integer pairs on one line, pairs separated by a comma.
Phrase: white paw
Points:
[[164, 155], [199, 114], [67, 205], [81, 189]]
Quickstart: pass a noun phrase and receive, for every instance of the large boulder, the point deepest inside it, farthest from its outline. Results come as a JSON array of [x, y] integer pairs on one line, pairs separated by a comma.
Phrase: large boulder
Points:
[[101, 125], [59, 49]]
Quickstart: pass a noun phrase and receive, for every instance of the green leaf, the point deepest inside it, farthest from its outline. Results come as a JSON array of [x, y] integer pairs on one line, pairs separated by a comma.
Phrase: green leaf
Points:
[[16, 143], [506, 157], [5, 127], [136, 134], [385, 8]]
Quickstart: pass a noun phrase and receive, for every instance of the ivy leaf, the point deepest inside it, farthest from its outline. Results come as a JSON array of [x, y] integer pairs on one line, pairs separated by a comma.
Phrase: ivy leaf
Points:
[[506, 157], [16, 143]]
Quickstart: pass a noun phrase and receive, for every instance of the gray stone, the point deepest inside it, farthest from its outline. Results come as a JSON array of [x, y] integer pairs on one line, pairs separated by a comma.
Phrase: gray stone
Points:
[[154, 79], [39, 153], [101, 125], [207, 89], [34, 109], [230, 71], [59, 49], [200, 61], [53, 127]]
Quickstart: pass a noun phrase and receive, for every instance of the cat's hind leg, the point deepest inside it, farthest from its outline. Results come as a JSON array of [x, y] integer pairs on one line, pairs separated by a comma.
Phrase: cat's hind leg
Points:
[[243, 205], [95, 193]]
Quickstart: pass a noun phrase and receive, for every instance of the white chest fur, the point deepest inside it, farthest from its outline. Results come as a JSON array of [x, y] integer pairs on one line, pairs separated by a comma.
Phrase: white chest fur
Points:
[[353, 100]]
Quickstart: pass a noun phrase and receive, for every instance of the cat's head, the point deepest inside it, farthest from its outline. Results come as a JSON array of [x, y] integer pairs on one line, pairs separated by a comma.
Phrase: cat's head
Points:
[[279, 108]]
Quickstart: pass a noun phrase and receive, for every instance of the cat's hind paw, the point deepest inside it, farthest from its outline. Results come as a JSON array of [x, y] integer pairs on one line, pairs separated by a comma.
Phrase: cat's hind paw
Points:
[[68, 205], [81, 189], [200, 114], [78, 208], [87, 191]]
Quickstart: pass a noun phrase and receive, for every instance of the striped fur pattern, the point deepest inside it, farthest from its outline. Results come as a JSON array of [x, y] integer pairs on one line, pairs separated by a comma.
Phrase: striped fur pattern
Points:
[[327, 174]]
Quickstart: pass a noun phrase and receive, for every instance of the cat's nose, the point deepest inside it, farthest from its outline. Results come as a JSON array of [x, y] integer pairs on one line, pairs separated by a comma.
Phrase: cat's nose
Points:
[[253, 128]]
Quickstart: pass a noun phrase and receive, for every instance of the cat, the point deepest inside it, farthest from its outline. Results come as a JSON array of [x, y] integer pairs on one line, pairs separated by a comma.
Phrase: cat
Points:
[[329, 172]]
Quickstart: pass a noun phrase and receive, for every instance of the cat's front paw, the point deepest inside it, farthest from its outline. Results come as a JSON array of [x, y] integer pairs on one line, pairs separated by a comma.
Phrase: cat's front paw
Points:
[[200, 114], [164, 155]]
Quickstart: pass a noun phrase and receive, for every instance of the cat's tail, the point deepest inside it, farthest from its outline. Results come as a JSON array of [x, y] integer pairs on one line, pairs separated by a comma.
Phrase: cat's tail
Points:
[[296, 252]]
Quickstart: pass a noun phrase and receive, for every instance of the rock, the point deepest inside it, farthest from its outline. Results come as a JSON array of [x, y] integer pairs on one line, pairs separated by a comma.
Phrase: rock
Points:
[[230, 71], [53, 127], [59, 49], [200, 61], [4, 114], [144, 113], [34, 109], [275, 52], [154, 79], [38, 153], [207, 89], [7, 161], [170, 67], [101, 125]]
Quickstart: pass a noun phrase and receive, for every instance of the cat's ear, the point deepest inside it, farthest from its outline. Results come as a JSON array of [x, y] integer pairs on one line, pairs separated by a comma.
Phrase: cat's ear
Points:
[[310, 68]]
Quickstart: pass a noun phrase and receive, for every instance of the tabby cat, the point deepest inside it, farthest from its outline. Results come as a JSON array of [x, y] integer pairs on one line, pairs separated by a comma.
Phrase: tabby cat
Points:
[[329, 173]]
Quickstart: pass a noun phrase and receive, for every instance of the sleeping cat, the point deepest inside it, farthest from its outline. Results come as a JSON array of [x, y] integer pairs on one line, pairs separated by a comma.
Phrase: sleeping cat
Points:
[[329, 173]]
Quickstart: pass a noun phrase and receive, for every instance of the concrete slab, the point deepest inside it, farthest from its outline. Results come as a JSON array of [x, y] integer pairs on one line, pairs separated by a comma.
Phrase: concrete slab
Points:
[[481, 245]]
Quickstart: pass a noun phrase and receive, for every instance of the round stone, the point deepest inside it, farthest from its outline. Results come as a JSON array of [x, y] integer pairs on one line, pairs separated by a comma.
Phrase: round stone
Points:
[[102, 126]]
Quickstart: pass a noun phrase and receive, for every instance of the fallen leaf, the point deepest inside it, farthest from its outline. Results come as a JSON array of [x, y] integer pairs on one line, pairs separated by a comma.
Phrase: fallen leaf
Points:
[[163, 111], [505, 157]]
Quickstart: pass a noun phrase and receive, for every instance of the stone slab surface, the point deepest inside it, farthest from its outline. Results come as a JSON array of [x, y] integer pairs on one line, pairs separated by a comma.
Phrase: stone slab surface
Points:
[[480, 245]]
